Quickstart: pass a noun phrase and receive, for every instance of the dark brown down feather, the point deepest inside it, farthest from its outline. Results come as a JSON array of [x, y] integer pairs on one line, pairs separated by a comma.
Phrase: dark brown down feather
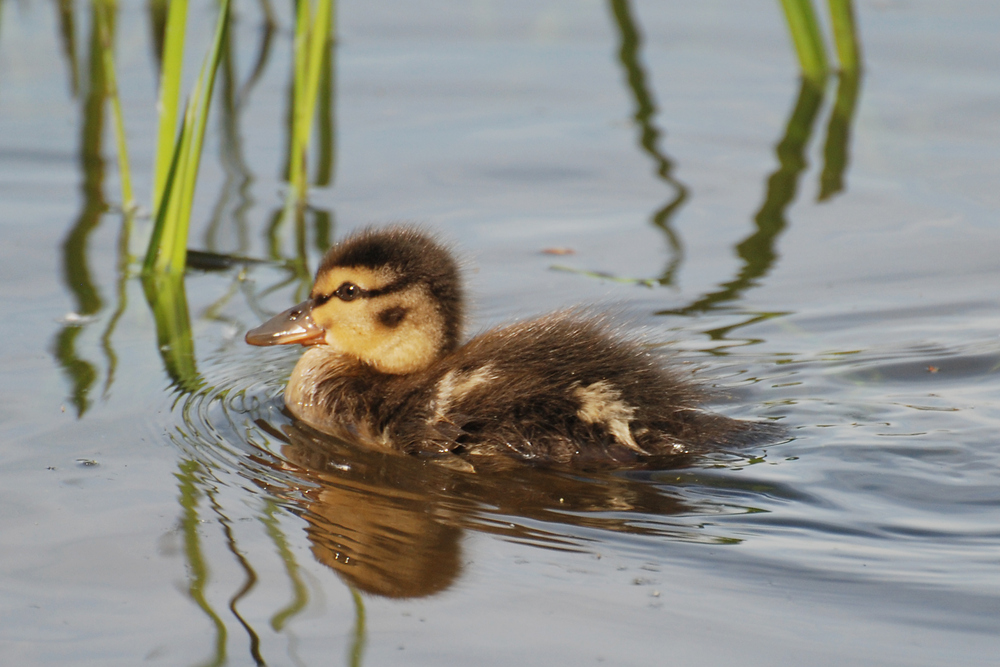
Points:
[[563, 389]]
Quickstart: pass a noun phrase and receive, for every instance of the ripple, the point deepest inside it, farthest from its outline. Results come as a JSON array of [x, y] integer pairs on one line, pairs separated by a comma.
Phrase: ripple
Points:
[[236, 426], [220, 424], [883, 469]]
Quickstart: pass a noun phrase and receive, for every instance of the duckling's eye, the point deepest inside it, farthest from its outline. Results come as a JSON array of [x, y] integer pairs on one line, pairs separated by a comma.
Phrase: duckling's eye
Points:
[[348, 292]]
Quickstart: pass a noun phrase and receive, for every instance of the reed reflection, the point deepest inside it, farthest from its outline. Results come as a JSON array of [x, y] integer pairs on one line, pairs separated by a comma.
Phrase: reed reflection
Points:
[[67, 35], [157, 11], [239, 178], [838, 135], [630, 41], [75, 267], [758, 249], [168, 301], [191, 488]]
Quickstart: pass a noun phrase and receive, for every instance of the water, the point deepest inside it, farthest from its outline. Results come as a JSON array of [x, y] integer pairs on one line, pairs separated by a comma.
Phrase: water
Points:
[[163, 511]]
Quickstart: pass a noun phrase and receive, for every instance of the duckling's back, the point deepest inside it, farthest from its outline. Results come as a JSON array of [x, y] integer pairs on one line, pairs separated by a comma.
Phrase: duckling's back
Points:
[[563, 389]]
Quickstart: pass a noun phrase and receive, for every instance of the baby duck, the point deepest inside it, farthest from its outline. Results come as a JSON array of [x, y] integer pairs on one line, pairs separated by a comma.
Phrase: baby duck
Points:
[[384, 367]]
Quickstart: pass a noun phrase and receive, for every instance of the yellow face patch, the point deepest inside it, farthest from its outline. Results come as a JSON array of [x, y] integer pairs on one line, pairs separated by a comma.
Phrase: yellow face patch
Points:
[[397, 332]]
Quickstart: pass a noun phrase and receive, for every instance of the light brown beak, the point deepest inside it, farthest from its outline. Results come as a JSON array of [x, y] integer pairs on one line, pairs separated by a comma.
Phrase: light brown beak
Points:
[[295, 325]]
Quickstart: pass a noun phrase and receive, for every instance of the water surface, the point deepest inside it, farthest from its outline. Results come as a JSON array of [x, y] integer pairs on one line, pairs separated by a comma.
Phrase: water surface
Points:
[[835, 273]]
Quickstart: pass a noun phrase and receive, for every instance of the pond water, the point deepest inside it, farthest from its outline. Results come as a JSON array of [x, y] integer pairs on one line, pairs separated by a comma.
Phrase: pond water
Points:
[[829, 258]]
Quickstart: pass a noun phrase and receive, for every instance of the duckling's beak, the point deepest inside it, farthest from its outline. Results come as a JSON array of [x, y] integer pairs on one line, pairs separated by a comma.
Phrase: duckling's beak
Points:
[[295, 325]]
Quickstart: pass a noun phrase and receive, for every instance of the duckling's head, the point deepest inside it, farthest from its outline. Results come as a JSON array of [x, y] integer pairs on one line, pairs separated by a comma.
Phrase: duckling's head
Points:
[[388, 297]]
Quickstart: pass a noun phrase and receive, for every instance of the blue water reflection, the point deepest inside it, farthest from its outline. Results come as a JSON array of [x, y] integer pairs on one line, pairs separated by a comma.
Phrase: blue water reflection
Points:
[[826, 252]]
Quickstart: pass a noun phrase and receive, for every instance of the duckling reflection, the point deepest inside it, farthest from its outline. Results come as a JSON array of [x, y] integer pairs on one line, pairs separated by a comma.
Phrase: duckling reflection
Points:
[[392, 526], [376, 526]]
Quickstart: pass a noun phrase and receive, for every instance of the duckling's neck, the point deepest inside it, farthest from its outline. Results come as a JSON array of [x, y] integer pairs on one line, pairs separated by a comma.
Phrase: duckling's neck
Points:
[[329, 390]]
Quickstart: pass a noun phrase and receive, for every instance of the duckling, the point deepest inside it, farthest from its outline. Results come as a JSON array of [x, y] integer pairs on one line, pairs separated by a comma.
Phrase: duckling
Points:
[[384, 367]]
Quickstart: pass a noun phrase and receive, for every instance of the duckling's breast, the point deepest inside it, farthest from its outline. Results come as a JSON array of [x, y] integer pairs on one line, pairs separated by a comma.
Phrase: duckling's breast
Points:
[[334, 394]]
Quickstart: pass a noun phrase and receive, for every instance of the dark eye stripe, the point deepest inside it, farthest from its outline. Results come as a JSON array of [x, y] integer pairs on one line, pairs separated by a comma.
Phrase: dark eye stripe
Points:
[[361, 293]]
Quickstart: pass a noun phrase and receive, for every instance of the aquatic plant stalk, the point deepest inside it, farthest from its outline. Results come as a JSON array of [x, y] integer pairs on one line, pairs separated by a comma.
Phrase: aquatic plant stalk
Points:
[[170, 85], [845, 36], [312, 39], [808, 39], [168, 245]]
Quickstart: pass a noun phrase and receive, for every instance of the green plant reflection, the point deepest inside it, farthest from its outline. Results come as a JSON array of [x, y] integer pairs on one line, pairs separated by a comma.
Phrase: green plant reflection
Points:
[[157, 11], [166, 297], [758, 249], [630, 41], [75, 265], [838, 135], [190, 493], [300, 594], [67, 34], [249, 581], [238, 176]]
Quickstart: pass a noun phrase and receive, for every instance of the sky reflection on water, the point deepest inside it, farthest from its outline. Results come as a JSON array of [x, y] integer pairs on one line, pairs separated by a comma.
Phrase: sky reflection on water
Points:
[[827, 250]]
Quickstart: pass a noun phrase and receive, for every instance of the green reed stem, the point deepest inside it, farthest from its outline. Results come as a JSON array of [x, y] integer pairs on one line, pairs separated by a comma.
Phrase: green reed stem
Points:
[[312, 39], [808, 39], [102, 12], [845, 35], [168, 246], [170, 86]]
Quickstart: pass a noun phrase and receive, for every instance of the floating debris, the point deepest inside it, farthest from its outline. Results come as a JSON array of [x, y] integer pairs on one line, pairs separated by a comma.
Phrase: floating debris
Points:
[[558, 251]]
